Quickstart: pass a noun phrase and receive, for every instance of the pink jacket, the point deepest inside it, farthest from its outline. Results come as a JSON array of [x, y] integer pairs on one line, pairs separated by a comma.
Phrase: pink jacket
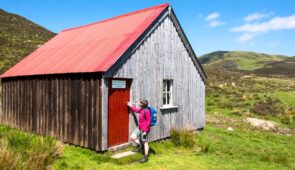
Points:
[[144, 121]]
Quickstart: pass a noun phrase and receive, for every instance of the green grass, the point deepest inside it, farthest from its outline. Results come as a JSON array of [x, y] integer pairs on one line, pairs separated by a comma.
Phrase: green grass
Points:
[[288, 98], [215, 148], [240, 149], [242, 59], [246, 149], [249, 64], [19, 150]]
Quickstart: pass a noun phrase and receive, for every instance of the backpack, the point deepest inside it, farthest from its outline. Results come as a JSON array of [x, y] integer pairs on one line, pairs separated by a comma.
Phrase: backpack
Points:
[[153, 115]]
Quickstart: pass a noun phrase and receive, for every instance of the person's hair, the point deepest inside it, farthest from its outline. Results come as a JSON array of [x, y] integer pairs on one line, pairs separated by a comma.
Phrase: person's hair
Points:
[[144, 103]]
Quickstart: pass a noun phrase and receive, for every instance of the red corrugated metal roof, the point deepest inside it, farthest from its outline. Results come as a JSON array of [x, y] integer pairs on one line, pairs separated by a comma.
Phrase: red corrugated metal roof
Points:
[[90, 48]]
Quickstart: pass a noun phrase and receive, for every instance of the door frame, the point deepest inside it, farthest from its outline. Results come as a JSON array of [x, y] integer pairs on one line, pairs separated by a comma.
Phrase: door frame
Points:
[[128, 86]]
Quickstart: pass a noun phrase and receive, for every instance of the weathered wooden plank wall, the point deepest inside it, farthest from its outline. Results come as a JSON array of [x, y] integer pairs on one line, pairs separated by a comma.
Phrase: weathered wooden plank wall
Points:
[[163, 55], [66, 107]]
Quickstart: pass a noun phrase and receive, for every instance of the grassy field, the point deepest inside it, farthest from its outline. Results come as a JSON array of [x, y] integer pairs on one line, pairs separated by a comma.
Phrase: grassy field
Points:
[[216, 148], [19, 150], [241, 60], [240, 149]]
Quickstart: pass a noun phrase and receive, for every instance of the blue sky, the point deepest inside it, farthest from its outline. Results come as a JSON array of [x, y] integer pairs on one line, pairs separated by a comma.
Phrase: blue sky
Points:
[[263, 26]]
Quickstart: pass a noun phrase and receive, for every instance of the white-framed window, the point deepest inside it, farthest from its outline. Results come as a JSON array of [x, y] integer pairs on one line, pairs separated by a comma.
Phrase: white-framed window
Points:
[[167, 92]]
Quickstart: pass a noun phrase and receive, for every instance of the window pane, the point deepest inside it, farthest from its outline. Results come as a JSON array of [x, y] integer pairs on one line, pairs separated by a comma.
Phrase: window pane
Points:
[[168, 86], [168, 98], [164, 98], [164, 86]]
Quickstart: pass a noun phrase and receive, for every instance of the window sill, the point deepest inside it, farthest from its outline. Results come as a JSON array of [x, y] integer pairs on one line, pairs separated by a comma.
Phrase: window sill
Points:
[[168, 107]]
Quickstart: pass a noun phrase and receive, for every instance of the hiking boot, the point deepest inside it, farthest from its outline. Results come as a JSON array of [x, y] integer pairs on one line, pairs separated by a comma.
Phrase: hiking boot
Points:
[[144, 159]]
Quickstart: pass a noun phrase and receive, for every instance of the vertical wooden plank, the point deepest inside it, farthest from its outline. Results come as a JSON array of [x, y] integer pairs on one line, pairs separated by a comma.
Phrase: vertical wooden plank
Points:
[[44, 124], [57, 111], [69, 115], [37, 101], [73, 111], [15, 101], [42, 105], [7, 102], [90, 117], [62, 109], [2, 102], [51, 116], [13, 105], [23, 116], [25, 98], [31, 106], [84, 118], [81, 113], [27, 115], [49, 107], [98, 112], [58, 96], [78, 112], [66, 109], [43, 88], [93, 111], [87, 115], [21, 98], [54, 112], [1, 105]]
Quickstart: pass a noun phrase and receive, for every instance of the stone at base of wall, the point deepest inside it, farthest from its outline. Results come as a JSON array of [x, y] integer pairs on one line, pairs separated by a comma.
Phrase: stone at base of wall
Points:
[[119, 147]]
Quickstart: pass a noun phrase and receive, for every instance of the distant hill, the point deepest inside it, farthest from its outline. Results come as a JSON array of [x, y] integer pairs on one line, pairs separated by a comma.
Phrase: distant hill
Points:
[[18, 38], [250, 62]]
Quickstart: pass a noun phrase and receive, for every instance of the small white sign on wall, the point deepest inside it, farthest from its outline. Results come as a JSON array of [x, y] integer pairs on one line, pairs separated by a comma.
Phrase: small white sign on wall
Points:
[[118, 84]]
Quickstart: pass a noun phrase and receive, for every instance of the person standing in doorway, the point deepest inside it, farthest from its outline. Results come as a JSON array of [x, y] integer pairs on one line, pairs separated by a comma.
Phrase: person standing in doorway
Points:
[[141, 133]]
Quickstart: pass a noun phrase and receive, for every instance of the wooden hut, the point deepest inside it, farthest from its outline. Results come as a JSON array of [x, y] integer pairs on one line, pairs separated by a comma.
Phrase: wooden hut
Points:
[[75, 87]]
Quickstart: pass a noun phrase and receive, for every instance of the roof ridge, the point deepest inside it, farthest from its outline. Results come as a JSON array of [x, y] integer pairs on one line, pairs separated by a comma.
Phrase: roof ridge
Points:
[[119, 16]]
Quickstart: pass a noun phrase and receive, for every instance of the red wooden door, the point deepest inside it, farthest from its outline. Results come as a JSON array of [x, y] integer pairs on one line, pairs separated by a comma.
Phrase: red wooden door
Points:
[[118, 116]]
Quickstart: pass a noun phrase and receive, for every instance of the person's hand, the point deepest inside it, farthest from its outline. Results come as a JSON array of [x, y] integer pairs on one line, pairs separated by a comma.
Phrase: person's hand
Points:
[[129, 104]]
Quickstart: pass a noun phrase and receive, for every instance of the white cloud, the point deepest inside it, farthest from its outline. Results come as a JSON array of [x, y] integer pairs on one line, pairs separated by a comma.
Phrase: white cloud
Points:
[[257, 16], [212, 16], [277, 23], [252, 30], [215, 23], [213, 20], [245, 37]]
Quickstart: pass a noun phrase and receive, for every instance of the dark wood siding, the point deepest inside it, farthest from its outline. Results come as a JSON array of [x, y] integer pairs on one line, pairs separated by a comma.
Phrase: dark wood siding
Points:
[[66, 107]]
